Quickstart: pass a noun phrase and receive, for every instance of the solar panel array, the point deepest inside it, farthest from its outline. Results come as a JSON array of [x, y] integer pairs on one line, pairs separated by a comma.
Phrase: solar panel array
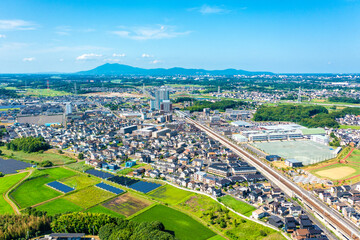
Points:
[[11, 165], [109, 188], [60, 187], [145, 187], [125, 181], [100, 174]]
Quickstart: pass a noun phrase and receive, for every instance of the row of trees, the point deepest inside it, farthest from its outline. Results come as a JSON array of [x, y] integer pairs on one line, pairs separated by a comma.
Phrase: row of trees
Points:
[[108, 227], [23, 226], [344, 100], [308, 116], [220, 105], [28, 144]]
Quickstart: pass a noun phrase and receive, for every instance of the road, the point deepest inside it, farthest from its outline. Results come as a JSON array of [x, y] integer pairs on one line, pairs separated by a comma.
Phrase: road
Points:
[[333, 219]]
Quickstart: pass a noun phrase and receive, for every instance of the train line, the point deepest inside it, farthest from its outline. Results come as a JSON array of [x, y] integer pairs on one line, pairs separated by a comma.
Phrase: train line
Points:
[[345, 229]]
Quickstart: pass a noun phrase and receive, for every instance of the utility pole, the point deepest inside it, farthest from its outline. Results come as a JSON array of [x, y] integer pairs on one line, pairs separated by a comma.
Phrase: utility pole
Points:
[[299, 95], [75, 90]]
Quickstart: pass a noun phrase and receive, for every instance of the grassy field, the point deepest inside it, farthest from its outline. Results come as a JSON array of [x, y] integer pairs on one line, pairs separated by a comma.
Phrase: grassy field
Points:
[[183, 226], [59, 205], [237, 205], [169, 194], [79, 166], [89, 197], [34, 190], [216, 237], [102, 209], [340, 171], [236, 228], [80, 181], [44, 92], [127, 204], [55, 158], [5, 184], [125, 171], [349, 127]]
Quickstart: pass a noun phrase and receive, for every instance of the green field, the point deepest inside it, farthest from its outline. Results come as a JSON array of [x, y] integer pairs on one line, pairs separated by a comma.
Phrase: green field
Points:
[[101, 209], [216, 237], [125, 171], [58, 206], [89, 197], [349, 127], [80, 181], [45, 92], [183, 226], [237, 205], [79, 166], [55, 158], [332, 171], [169, 194], [236, 227], [34, 191], [5, 184]]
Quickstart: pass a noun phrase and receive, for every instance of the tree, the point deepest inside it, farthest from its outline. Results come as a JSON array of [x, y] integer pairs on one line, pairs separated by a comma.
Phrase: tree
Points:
[[81, 156]]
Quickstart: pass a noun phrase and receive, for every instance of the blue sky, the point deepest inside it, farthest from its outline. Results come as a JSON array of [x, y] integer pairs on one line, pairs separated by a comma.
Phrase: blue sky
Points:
[[294, 36]]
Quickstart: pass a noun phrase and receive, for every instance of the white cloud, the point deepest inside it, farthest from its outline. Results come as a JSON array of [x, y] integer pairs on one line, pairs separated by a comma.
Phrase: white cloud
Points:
[[112, 60], [88, 56], [155, 62], [206, 9], [145, 55], [29, 59], [118, 55], [63, 30], [61, 60], [2, 36], [146, 33], [16, 25]]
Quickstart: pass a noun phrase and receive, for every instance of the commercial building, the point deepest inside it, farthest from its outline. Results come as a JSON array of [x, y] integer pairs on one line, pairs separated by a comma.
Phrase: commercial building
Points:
[[129, 129], [320, 139], [161, 95], [293, 163]]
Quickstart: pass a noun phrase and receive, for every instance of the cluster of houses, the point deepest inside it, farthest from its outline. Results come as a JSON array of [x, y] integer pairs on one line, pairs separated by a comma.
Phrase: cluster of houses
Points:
[[344, 199]]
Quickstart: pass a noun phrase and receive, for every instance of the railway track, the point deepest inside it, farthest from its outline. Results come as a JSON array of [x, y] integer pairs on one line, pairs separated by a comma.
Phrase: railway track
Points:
[[337, 222]]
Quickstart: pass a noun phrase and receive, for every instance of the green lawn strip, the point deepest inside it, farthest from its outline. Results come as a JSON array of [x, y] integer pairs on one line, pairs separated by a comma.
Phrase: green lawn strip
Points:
[[37, 157], [125, 171], [169, 194], [58, 206], [183, 226], [34, 190], [349, 127], [210, 211], [5, 184], [237, 205], [45, 92], [102, 209], [89, 196]]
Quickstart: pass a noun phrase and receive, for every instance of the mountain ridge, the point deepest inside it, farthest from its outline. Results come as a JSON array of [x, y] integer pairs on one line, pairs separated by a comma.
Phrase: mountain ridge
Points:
[[122, 69]]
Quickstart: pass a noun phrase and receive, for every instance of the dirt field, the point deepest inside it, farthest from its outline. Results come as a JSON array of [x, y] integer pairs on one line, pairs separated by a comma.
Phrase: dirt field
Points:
[[336, 173], [127, 204]]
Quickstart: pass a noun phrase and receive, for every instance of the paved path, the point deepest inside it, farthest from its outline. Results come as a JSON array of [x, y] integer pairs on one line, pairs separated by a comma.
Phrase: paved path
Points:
[[6, 194]]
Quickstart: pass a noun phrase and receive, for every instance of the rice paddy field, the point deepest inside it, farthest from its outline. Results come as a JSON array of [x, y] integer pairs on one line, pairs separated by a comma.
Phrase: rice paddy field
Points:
[[58, 206], [80, 181], [5, 184], [183, 226], [89, 197], [169, 194], [34, 190], [102, 209]]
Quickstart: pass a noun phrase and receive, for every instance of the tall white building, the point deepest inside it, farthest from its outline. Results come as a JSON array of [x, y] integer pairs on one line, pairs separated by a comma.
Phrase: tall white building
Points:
[[161, 95], [68, 109]]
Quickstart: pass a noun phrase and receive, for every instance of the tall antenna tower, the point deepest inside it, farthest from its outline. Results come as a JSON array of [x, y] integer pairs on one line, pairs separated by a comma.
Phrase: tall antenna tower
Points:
[[75, 89], [218, 89], [299, 95], [48, 85], [143, 88]]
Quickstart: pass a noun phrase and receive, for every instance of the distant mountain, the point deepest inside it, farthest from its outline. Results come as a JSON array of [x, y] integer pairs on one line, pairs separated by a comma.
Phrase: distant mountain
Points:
[[121, 69]]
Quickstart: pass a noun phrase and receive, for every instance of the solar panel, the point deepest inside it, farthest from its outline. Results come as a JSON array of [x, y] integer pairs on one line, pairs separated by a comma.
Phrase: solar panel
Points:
[[11, 165], [109, 188], [145, 187], [125, 181], [100, 174], [60, 187]]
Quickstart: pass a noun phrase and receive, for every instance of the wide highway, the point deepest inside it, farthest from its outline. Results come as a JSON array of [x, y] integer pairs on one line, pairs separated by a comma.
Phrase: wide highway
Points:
[[343, 228]]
